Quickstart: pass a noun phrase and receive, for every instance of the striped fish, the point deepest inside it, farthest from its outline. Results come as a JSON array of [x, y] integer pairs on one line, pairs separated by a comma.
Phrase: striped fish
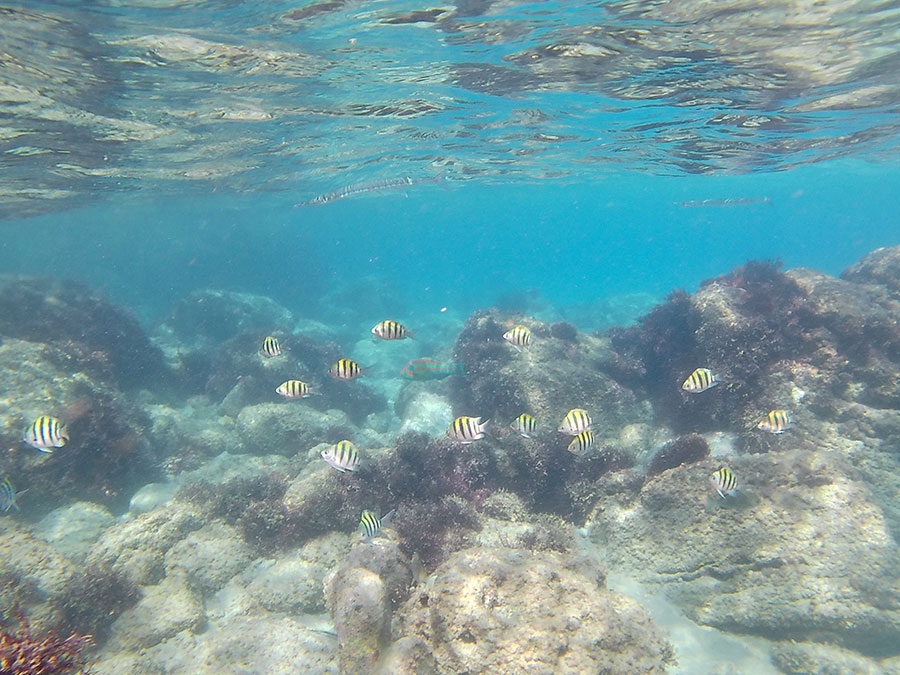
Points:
[[391, 330], [343, 456], [295, 389], [430, 369], [47, 433], [467, 429], [525, 425], [583, 441], [270, 347], [518, 336], [699, 381], [372, 524], [345, 369], [724, 482], [776, 422], [575, 421], [8, 496]]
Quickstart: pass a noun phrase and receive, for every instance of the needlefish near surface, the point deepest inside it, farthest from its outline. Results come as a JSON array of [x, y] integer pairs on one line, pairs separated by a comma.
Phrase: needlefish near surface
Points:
[[365, 188]]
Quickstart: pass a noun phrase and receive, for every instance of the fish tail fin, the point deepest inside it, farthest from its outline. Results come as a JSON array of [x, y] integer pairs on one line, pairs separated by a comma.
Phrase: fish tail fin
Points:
[[460, 369], [365, 370], [411, 334], [388, 517]]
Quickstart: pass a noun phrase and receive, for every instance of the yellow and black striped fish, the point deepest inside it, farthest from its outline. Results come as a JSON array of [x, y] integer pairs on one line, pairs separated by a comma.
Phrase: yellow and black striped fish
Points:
[[372, 524], [345, 369], [776, 422], [575, 421], [518, 336], [391, 330], [583, 441], [270, 347], [467, 429], [525, 425], [295, 389], [724, 482], [47, 433], [343, 456], [700, 380]]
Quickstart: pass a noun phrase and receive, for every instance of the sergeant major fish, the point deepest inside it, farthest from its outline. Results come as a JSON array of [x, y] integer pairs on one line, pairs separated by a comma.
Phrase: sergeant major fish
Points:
[[345, 369], [46, 433], [372, 524], [582, 442], [699, 381], [518, 336], [430, 369], [343, 456], [724, 482], [391, 330], [270, 347], [295, 389], [575, 421], [525, 425], [776, 422], [467, 430], [8, 496]]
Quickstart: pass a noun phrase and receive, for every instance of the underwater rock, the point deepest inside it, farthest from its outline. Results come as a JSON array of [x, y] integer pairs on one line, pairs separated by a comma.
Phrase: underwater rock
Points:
[[124, 663], [811, 658], [799, 552], [209, 557], [137, 547], [289, 585], [408, 656], [93, 335], [360, 608], [285, 429], [239, 377], [546, 379], [565, 619], [212, 316], [880, 267], [383, 556], [259, 645], [93, 598], [72, 530], [190, 435], [423, 411], [108, 453], [682, 450], [165, 610]]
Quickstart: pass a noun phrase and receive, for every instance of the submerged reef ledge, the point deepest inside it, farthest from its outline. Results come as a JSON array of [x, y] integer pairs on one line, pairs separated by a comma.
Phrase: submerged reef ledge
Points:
[[491, 559]]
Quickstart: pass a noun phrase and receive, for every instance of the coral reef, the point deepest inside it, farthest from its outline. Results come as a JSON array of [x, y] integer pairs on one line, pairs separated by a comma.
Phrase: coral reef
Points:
[[565, 618], [682, 450], [214, 316]]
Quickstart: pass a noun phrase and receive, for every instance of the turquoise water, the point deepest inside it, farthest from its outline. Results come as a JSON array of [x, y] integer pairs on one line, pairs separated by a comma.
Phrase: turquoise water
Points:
[[566, 161]]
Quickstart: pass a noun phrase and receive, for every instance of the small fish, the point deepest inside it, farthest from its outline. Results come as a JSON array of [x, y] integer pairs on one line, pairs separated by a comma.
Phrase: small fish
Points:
[[372, 524], [525, 425], [583, 441], [575, 421], [700, 380], [724, 482], [343, 456], [270, 347], [47, 433], [518, 336], [8, 496], [727, 201], [295, 389], [391, 330], [776, 422], [467, 429], [365, 188], [345, 369], [430, 369]]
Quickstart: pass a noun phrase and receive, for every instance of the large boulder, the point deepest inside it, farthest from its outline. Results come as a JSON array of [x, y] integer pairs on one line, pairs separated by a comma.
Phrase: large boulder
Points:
[[517, 611], [800, 552]]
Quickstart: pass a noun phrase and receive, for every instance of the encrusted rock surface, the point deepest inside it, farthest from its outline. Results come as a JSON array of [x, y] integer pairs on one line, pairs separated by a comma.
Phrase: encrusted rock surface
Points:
[[515, 611], [801, 552], [209, 557]]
